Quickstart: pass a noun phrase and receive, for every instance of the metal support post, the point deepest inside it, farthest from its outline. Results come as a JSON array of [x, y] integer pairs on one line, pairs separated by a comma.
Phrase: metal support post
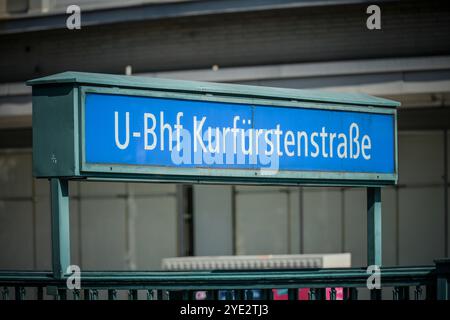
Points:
[[374, 241], [59, 190]]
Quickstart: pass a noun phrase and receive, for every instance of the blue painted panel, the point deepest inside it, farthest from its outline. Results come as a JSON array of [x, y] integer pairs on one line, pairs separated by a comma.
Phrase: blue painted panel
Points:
[[135, 130]]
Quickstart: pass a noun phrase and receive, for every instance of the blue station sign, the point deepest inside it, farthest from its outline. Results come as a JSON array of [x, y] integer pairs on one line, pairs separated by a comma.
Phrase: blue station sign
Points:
[[144, 131], [205, 136]]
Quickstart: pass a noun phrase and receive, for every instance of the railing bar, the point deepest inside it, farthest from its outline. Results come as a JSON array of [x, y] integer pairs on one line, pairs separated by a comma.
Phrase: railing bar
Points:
[[395, 294], [229, 295], [18, 295], [62, 294], [431, 291], [185, 295], [112, 294], [333, 294], [292, 294], [375, 294], [5, 293], [208, 294], [316, 293], [322, 294], [404, 293], [265, 294], [312, 294], [150, 294], [354, 293], [132, 294], [87, 294], [40, 293], [239, 294], [176, 295], [416, 284], [76, 294], [345, 293], [350, 293], [417, 293]]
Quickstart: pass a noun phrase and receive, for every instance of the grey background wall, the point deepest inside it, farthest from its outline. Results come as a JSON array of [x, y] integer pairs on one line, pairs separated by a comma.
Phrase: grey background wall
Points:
[[114, 226], [325, 220], [119, 226]]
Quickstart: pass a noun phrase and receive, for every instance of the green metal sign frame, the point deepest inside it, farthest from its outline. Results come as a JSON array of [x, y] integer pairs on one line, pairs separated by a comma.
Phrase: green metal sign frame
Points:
[[59, 129], [58, 144]]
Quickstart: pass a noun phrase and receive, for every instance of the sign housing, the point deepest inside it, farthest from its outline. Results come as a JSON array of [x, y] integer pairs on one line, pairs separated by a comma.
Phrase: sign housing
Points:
[[109, 127]]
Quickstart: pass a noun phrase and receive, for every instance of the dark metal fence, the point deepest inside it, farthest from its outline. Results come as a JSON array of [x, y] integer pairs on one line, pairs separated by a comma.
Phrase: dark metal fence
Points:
[[406, 283]]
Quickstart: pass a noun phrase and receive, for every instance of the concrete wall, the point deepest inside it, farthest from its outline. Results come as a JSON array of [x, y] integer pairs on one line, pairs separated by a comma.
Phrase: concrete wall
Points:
[[122, 226], [114, 226], [327, 220]]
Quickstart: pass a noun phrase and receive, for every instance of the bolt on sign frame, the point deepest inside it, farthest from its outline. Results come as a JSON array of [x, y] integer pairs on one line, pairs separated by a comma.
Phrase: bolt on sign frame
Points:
[[103, 127]]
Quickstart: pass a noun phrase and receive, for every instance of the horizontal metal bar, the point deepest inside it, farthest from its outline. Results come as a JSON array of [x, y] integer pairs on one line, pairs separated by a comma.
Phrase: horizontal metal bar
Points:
[[240, 181], [261, 279]]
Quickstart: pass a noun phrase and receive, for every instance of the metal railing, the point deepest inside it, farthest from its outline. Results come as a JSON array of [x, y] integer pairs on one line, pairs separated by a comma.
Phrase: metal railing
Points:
[[406, 283]]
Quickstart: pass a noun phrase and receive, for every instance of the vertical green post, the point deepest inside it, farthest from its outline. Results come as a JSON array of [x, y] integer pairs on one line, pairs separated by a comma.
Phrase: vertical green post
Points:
[[443, 279], [374, 232], [374, 226], [59, 191]]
